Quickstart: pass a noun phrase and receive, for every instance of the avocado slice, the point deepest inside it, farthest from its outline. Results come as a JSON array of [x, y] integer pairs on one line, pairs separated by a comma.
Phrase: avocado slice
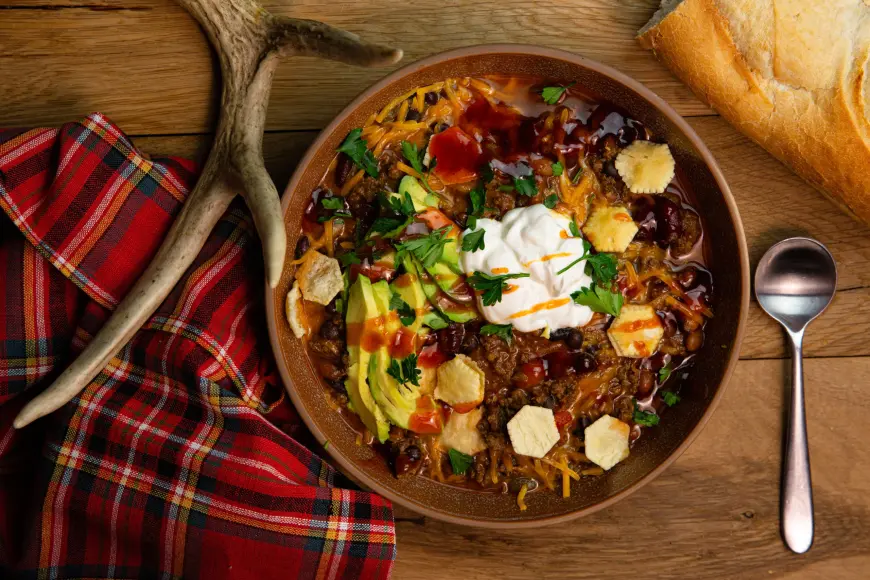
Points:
[[362, 311], [453, 310], [408, 287], [421, 198]]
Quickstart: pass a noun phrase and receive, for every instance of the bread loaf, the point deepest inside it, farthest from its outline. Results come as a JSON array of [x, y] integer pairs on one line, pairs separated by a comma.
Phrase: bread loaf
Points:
[[793, 75]]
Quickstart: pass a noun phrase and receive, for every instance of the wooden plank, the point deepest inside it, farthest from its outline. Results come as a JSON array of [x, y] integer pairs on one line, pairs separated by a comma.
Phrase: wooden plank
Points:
[[713, 514], [156, 76]]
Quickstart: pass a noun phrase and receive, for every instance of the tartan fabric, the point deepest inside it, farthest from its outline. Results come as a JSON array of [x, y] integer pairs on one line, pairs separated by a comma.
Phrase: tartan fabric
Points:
[[178, 460]]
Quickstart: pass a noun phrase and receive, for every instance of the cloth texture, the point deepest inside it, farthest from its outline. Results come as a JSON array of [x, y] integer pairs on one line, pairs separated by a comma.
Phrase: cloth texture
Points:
[[183, 458]]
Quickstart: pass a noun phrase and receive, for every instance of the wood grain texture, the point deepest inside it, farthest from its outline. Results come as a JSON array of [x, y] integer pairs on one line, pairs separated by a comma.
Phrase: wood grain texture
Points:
[[713, 514], [157, 76]]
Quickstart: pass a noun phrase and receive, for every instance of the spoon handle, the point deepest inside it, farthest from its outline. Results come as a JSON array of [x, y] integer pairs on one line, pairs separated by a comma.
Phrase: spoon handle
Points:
[[797, 489]]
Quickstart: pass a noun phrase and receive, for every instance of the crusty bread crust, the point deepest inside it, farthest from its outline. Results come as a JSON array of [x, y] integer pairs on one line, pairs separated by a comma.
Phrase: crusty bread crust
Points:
[[795, 81]]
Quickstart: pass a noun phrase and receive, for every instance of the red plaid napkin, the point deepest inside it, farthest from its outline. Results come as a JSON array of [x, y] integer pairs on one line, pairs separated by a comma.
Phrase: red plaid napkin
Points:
[[176, 460]]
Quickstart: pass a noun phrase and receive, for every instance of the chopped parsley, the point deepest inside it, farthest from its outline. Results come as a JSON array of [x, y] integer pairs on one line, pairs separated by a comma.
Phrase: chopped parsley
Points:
[[428, 249], [503, 331], [356, 149], [671, 398], [557, 168], [551, 95], [645, 418], [505, 187], [459, 461], [389, 227], [407, 315], [602, 268], [551, 200], [349, 258], [473, 241], [664, 373], [392, 226], [332, 202], [526, 185], [586, 247], [491, 285], [477, 196], [599, 299], [406, 371], [412, 154]]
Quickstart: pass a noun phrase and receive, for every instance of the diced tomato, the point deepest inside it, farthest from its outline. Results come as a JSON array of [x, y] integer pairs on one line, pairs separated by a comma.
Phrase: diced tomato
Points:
[[560, 364], [562, 418], [435, 220], [430, 357], [458, 156], [530, 374], [428, 418]]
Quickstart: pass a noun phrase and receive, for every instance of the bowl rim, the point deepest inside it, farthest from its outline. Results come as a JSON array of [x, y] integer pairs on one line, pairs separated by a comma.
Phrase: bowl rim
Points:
[[358, 474]]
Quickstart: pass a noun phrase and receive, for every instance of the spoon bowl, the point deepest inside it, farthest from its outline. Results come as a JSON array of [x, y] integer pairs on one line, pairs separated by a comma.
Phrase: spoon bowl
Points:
[[794, 283]]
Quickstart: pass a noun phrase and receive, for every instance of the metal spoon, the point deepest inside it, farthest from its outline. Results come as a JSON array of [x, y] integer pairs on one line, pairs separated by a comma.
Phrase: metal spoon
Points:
[[795, 281]]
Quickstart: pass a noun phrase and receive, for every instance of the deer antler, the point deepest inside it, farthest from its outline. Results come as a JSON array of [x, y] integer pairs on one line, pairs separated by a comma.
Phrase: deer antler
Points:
[[248, 41]]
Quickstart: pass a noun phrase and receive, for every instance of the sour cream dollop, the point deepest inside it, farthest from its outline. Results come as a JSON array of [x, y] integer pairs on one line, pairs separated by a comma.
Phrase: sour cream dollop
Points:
[[537, 241]]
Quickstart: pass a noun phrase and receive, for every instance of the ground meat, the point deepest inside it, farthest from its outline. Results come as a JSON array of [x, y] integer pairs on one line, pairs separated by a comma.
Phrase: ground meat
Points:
[[690, 234], [501, 201], [532, 346], [497, 359]]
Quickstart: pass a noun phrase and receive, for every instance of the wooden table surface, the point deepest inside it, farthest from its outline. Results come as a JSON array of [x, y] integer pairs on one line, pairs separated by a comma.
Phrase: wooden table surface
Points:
[[714, 513]]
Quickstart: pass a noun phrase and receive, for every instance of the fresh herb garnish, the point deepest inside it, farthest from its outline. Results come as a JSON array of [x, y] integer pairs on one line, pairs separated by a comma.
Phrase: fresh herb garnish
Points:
[[349, 258], [407, 315], [505, 187], [577, 176], [477, 196], [503, 331], [664, 373], [392, 226], [602, 268], [551, 200], [526, 185], [574, 229], [473, 241], [402, 205], [557, 168], [586, 247], [412, 154], [671, 398], [551, 95], [406, 371], [491, 285], [332, 202], [428, 249], [355, 148], [645, 418], [389, 227], [599, 299], [459, 461]]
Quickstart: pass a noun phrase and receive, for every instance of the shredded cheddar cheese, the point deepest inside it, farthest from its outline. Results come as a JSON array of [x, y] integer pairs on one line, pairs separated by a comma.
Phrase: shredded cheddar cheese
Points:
[[521, 497], [403, 111], [409, 170], [352, 182]]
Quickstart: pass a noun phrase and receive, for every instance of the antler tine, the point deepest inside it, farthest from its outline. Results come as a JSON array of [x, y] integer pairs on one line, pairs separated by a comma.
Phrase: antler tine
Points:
[[248, 41]]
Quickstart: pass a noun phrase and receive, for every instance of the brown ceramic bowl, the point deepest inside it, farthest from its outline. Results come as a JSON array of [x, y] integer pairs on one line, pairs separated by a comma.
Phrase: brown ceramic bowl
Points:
[[659, 447]]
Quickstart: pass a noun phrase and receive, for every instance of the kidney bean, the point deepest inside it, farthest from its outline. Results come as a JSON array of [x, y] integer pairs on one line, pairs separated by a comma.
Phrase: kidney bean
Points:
[[302, 245], [517, 483], [645, 383], [413, 115], [690, 325], [694, 340], [450, 338], [330, 371], [343, 169], [585, 363], [668, 224], [408, 461], [469, 343], [687, 276], [670, 323], [329, 330], [610, 169], [431, 98], [338, 386]]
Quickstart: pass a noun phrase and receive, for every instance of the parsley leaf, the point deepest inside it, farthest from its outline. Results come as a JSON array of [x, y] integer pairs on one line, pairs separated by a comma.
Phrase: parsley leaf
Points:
[[407, 315], [478, 198], [355, 148], [459, 461], [473, 241], [671, 398], [389, 227], [551, 200], [412, 154], [402, 205], [586, 247], [599, 299], [406, 371], [526, 185], [551, 95], [492, 286], [349, 258], [645, 418], [503, 331], [428, 249], [575, 231], [664, 373], [332, 202], [557, 168], [602, 268]]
